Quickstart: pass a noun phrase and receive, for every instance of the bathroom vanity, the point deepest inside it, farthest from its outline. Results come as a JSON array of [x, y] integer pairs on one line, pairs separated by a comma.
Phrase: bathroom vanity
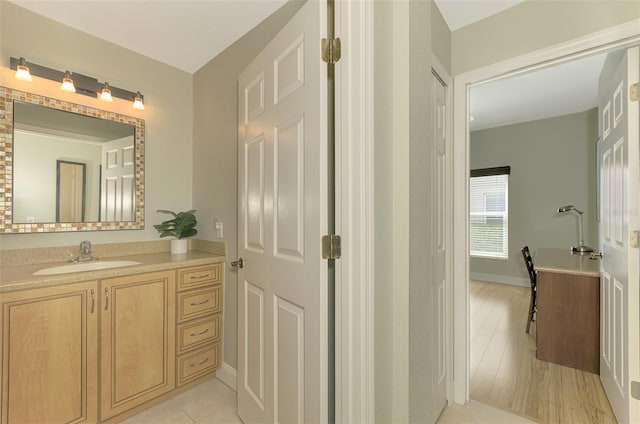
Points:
[[99, 346]]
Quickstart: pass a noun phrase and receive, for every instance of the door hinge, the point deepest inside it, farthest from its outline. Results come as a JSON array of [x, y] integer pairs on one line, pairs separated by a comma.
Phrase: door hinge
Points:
[[331, 246], [635, 390], [634, 92], [331, 50]]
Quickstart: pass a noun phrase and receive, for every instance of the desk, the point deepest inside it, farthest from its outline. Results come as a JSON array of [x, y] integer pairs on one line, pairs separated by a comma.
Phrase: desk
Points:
[[568, 317]]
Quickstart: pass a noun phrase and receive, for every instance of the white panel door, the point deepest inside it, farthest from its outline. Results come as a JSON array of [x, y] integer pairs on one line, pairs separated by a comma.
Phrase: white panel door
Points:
[[118, 186], [439, 110], [618, 161], [282, 167]]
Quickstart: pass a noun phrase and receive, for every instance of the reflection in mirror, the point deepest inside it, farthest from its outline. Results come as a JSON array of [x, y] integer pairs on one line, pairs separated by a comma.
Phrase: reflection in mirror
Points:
[[43, 137], [70, 191], [69, 167]]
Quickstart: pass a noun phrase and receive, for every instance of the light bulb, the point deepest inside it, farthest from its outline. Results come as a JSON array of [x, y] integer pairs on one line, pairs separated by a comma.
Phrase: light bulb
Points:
[[105, 94], [67, 83], [22, 71], [138, 101]]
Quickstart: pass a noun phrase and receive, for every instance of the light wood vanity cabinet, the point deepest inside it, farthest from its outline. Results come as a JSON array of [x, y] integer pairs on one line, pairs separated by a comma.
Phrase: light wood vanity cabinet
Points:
[[134, 337], [50, 355], [137, 340], [199, 329]]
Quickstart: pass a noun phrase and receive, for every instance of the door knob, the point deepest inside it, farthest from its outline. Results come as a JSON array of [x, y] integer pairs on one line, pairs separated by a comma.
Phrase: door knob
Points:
[[238, 264]]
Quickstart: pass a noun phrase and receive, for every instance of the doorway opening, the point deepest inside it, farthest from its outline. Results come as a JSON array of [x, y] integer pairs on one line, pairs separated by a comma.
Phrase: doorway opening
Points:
[[463, 149], [533, 124]]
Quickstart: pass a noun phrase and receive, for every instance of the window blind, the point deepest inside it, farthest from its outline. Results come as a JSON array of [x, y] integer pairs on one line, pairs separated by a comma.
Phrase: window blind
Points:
[[489, 215]]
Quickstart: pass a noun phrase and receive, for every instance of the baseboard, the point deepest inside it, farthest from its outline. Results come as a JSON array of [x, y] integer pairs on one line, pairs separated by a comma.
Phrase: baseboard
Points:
[[228, 375], [501, 279]]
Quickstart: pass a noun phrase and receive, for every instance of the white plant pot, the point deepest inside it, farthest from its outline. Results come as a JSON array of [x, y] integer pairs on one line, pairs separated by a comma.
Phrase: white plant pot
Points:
[[179, 246]]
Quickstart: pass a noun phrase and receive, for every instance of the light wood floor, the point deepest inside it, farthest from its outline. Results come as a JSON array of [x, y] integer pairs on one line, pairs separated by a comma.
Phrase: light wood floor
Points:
[[505, 372]]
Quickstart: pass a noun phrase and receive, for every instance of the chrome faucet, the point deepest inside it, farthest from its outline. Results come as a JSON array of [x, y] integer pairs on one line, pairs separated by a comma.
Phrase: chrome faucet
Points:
[[85, 253]]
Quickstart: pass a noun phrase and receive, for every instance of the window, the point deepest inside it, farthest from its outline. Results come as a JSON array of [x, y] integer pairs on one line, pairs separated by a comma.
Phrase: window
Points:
[[489, 213]]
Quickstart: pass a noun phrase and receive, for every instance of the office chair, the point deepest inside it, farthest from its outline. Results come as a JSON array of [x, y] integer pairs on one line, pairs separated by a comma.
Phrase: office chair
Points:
[[532, 276]]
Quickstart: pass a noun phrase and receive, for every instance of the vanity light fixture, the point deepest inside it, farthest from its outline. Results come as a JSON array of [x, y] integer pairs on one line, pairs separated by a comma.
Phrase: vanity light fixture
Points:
[[22, 70], [67, 83], [138, 101], [80, 84], [105, 93], [580, 248]]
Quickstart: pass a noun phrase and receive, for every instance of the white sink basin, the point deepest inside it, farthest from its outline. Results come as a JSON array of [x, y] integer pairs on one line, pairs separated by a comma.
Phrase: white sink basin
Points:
[[84, 266]]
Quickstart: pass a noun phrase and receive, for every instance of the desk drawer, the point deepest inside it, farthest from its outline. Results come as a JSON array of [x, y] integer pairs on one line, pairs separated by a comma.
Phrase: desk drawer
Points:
[[195, 333], [197, 303], [202, 361], [195, 277]]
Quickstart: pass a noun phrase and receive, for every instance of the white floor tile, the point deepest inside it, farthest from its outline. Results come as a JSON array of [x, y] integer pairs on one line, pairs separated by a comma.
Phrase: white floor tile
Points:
[[225, 415], [206, 398], [168, 412]]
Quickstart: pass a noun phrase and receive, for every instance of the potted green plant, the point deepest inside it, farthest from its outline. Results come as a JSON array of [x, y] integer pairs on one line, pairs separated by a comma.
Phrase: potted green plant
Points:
[[181, 226]]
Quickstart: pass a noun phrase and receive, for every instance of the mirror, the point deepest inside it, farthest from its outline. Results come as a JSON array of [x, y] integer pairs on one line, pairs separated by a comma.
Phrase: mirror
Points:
[[68, 167]]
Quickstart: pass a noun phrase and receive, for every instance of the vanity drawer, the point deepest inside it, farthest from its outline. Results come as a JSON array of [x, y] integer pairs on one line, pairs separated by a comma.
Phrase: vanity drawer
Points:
[[195, 333], [197, 303], [198, 363], [194, 277]]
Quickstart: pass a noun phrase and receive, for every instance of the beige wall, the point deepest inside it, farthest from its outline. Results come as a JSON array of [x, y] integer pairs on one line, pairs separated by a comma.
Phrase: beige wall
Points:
[[385, 298], [440, 38], [552, 164], [168, 111], [215, 174], [402, 212], [533, 25]]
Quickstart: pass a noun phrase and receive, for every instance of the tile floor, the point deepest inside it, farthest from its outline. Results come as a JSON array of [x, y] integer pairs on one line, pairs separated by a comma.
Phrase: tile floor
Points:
[[208, 403], [213, 402]]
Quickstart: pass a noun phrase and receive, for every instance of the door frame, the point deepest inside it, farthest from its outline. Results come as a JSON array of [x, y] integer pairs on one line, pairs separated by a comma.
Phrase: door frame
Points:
[[354, 215], [615, 37]]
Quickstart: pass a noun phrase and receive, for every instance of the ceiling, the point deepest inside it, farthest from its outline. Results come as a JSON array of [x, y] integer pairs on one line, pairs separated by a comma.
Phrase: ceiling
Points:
[[460, 13], [560, 90], [187, 34]]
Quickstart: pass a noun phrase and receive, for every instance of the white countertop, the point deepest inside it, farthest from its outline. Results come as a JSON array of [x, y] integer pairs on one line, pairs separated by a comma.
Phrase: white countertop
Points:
[[563, 261]]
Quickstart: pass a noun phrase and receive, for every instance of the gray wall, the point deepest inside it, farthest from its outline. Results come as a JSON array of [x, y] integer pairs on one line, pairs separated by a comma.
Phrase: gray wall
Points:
[[552, 163], [215, 153], [533, 25], [168, 111]]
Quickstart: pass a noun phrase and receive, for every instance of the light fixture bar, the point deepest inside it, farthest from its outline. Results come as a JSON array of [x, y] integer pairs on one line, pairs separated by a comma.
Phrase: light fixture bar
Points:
[[84, 85]]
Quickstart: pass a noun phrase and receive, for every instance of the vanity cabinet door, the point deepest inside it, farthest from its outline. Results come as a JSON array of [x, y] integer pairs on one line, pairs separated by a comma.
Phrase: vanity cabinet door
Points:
[[49, 354], [137, 360]]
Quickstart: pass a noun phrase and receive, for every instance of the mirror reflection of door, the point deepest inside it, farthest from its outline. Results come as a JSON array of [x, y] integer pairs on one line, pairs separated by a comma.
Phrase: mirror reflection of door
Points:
[[70, 191], [117, 181]]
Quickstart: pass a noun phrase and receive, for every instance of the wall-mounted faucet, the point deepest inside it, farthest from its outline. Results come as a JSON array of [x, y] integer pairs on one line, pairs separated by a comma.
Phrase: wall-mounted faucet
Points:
[[85, 253]]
